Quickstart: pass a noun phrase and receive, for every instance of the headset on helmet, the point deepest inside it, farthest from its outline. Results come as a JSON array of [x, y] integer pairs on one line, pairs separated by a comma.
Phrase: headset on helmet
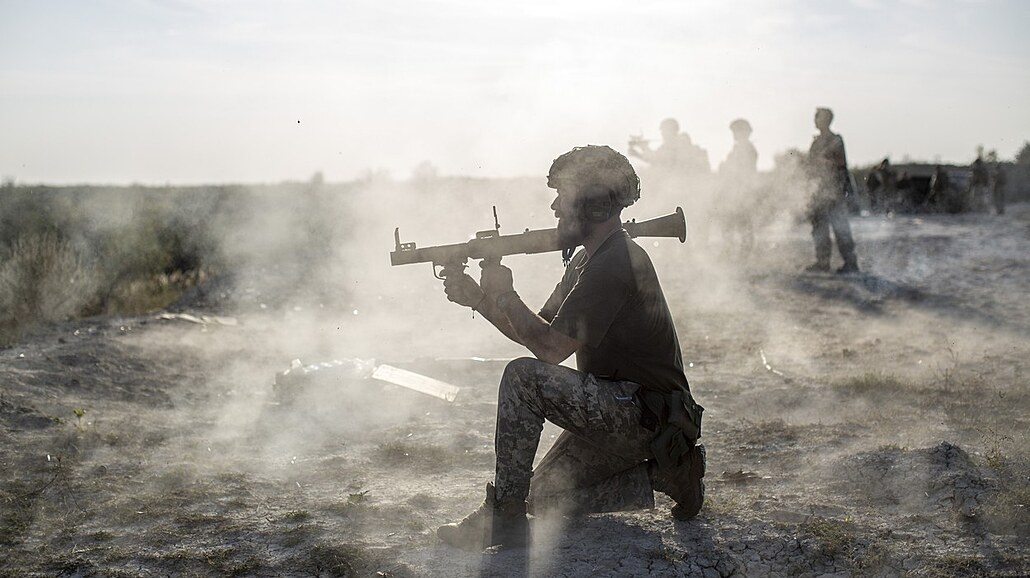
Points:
[[597, 204]]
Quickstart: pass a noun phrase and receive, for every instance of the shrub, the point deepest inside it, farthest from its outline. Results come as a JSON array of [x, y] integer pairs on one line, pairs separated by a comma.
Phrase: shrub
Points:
[[43, 279]]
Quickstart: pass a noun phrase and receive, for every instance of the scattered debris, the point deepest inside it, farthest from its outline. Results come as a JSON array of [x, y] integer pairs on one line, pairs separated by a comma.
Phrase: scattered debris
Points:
[[476, 359], [765, 362], [287, 382], [201, 320], [741, 477], [415, 381]]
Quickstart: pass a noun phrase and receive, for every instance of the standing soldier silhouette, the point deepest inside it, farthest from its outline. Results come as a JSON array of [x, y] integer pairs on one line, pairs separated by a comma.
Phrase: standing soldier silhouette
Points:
[[828, 166]]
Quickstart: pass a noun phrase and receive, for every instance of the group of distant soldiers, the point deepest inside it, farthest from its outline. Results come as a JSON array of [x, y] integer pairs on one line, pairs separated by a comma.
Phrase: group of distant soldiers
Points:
[[890, 192], [680, 170], [733, 197], [678, 165]]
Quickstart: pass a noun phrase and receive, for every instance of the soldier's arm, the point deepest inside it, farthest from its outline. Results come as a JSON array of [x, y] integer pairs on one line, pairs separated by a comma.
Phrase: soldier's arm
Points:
[[533, 331], [464, 290], [489, 310], [644, 153]]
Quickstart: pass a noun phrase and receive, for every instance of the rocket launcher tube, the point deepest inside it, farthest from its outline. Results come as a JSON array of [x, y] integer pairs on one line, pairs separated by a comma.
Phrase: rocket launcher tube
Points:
[[492, 245]]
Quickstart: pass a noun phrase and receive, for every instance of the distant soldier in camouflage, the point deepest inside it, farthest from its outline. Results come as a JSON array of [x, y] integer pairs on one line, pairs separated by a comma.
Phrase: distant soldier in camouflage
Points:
[[631, 425], [827, 209]]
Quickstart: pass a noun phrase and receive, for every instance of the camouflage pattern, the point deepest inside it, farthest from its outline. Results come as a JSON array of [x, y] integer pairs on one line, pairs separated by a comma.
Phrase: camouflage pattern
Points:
[[602, 454], [575, 477]]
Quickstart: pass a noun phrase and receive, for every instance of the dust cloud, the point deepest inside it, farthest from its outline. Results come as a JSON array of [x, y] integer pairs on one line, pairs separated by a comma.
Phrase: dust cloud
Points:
[[810, 381], [304, 269], [307, 268]]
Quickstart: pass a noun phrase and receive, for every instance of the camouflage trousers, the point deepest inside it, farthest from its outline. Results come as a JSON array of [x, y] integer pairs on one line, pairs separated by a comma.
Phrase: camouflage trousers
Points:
[[598, 464]]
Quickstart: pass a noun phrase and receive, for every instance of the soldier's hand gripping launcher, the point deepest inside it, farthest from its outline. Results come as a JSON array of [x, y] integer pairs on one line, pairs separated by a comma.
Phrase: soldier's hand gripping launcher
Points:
[[491, 245]]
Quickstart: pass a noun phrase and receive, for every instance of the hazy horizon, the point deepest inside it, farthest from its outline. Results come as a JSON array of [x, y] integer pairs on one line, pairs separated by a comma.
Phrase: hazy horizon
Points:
[[190, 92]]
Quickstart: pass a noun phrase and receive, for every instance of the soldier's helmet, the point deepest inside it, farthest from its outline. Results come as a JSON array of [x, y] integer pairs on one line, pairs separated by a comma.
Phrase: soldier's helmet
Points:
[[741, 126], [597, 168], [669, 125]]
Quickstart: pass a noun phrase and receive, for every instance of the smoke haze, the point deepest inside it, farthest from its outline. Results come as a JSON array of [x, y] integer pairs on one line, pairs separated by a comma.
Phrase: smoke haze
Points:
[[807, 380], [199, 92]]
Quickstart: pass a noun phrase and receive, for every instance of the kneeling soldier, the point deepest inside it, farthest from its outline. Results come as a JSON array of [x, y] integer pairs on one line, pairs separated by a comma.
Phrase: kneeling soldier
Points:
[[631, 425]]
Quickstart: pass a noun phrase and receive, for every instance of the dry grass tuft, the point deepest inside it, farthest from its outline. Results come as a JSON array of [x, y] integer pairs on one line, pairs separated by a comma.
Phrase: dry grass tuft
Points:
[[44, 279], [873, 384], [416, 454], [331, 560], [956, 566], [1008, 512], [834, 538]]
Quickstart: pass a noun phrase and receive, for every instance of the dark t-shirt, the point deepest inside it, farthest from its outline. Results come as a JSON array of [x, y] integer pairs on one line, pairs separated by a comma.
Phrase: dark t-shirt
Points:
[[830, 165], [614, 306]]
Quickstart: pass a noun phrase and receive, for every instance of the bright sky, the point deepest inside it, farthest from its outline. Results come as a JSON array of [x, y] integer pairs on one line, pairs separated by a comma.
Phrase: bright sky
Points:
[[198, 91]]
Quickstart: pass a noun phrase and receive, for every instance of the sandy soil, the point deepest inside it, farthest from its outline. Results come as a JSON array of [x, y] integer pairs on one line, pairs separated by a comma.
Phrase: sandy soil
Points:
[[864, 425]]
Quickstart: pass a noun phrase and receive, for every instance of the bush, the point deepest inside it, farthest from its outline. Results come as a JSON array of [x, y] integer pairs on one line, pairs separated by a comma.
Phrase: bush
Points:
[[87, 250], [42, 279]]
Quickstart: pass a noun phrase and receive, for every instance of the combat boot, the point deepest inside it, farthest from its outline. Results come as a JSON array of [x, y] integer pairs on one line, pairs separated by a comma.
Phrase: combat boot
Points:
[[684, 483], [495, 523], [848, 267], [818, 267]]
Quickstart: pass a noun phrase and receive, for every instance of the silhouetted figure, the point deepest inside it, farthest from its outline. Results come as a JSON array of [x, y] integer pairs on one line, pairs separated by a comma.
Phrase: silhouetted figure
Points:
[[882, 188], [907, 192], [979, 181], [940, 192], [630, 423], [828, 166], [998, 188], [738, 176], [679, 170], [677, 155]]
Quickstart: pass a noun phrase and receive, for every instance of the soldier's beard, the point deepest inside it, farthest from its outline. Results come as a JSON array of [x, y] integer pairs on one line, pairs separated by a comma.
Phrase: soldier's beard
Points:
[[570, 233]]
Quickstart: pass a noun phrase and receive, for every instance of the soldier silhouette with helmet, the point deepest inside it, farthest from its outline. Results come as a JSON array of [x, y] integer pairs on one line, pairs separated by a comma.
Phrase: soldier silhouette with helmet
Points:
[[827, 209], [737, 180], [631, 425], [679, 171]]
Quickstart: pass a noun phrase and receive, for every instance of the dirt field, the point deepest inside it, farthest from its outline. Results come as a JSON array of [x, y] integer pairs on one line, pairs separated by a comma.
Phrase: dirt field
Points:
[[863, 425]]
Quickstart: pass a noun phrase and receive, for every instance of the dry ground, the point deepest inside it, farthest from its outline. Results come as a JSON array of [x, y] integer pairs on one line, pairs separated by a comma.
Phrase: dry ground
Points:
[[868, 425]]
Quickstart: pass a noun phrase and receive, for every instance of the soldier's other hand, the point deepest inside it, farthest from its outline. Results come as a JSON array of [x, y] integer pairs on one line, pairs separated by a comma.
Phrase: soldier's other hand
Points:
[[463, 290], [496, 279]]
